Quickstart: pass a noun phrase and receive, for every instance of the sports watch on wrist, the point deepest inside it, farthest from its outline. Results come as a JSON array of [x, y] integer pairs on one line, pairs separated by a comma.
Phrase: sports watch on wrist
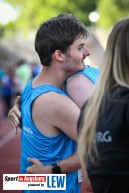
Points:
[[56, 169]]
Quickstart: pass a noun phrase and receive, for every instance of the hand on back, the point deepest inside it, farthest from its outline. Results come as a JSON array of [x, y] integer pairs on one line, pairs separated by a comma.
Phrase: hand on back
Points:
[[15, 114]]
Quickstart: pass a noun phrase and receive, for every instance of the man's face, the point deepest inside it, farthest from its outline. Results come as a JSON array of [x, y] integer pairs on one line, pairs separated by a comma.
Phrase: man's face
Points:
[[75, 56]]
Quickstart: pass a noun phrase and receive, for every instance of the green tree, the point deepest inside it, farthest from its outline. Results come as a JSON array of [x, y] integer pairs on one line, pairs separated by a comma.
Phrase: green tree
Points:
[[111, 11], [32, 13]]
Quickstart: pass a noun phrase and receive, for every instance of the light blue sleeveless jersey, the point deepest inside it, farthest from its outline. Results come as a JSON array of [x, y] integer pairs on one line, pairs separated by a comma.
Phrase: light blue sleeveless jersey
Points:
[[34, 144], [90, 72]]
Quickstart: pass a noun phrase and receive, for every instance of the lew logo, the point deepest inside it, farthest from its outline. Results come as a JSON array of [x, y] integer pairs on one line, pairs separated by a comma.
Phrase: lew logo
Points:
[[56, 181]]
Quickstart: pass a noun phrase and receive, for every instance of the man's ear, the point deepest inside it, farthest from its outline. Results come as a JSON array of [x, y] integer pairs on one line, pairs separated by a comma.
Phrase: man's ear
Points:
[[58, 55]]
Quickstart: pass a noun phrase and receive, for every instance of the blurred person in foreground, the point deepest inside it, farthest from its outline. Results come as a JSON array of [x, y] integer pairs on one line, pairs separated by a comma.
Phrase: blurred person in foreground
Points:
[[49, 116], [78, 87], [104, 120]]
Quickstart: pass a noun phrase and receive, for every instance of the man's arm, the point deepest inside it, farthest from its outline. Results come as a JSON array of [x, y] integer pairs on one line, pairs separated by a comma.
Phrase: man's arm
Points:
[[79, 89], [67, 165]]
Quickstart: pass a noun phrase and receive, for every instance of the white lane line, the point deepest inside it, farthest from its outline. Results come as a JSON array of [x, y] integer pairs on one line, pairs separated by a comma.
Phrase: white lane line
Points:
[[7, 138]]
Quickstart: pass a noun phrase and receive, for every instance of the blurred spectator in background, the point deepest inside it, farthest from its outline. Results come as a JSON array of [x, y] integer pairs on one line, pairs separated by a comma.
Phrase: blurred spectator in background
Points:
[[12, 81], [10, 87], [7, 89], [36, 68], [23, 70], [2, 73]]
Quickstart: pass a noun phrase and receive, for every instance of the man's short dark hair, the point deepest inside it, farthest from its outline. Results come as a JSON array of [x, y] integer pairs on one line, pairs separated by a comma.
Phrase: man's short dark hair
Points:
[[58, 33]]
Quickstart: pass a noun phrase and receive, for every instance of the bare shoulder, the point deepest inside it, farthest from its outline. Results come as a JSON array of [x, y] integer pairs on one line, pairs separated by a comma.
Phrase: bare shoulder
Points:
[[53, 100], [50, 103], [79, 88], [54, 112], [77, 80]]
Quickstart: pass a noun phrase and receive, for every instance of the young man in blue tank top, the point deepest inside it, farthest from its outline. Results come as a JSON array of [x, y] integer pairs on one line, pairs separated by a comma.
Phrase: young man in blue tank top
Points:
[[54, 115], [78, 87]]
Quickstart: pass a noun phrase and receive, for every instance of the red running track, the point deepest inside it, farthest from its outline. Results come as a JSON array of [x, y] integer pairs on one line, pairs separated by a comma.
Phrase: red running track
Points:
[[9, 151]]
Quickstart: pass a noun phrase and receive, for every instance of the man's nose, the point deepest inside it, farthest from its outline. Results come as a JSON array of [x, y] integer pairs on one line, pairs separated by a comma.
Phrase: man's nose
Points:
[[87, 52]]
